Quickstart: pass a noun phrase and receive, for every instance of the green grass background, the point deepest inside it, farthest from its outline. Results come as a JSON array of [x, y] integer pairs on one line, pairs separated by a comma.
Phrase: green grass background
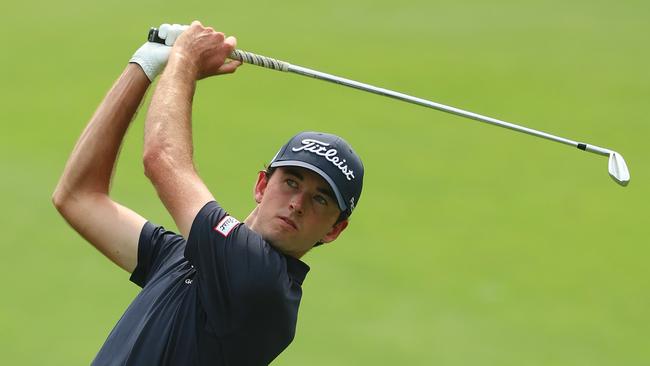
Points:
[[472, 245]]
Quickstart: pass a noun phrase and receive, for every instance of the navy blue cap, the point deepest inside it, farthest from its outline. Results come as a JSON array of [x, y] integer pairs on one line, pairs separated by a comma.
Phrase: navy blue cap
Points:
[[332, 158]]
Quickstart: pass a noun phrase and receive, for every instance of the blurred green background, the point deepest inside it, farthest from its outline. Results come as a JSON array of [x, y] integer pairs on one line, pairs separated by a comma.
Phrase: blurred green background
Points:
[[472, 245]]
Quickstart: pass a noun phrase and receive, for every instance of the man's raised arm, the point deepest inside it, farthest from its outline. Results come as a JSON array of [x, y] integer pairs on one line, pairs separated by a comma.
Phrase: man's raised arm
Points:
[[82, 195], [198, 53]]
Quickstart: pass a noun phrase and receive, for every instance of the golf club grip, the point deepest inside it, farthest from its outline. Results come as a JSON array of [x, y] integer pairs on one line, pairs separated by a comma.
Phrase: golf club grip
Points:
[[239, 55]]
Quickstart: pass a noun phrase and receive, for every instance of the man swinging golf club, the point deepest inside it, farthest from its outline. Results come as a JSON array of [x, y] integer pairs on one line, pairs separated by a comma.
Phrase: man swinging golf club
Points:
[[221, 292]]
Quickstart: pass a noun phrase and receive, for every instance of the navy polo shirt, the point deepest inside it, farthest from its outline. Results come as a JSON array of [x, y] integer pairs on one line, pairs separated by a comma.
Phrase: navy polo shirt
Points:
[[223, 297]]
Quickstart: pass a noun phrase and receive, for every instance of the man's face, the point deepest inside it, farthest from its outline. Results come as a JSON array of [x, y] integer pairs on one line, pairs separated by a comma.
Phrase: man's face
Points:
[[296, 209]]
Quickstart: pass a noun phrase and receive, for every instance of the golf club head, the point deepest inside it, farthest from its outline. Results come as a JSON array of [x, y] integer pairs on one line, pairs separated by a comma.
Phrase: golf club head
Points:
[[618, 169]]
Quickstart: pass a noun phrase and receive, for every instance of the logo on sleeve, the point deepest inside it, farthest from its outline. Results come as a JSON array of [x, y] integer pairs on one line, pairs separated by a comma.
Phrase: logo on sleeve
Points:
[[226, 225]]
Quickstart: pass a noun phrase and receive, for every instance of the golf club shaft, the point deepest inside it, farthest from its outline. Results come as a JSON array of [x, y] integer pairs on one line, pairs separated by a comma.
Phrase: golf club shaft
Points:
[[263, 61], [427, 103], [270, 63]]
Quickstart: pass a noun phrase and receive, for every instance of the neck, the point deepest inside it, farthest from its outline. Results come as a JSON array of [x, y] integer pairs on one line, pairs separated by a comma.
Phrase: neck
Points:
[[251, 220]]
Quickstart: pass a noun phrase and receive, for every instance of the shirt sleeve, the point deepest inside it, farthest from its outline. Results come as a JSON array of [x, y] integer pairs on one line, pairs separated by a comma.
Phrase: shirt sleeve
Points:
[[239, 273], [157, 247]]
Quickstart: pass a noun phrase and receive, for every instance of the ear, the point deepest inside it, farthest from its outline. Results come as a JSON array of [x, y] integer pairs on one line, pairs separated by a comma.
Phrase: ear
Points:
[[260, 186], [337, 229]]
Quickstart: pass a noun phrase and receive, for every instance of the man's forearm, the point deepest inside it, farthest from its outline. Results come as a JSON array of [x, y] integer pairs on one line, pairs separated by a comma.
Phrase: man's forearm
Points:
[[91, 163], [168, 126]]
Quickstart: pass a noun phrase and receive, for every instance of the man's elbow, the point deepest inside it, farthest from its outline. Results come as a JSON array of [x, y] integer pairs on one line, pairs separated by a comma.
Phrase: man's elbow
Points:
[[57, 201], [66, 202], [67, 205], [60, 199], [156, 162], [167, 172]]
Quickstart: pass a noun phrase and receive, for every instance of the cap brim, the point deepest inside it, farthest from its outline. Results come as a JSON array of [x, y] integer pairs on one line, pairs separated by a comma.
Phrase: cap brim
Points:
[[315, 169]]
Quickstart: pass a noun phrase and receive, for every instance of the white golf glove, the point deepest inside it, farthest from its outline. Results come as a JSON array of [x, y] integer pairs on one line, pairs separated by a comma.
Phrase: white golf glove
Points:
[[152, 57]]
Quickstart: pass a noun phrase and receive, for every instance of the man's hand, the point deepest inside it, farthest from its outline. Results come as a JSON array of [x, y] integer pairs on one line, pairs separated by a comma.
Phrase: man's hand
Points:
[[152, 57], [203, 51]]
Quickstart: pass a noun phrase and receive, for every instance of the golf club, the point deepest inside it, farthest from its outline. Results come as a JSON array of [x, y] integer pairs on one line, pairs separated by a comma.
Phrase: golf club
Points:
[[617, 168]]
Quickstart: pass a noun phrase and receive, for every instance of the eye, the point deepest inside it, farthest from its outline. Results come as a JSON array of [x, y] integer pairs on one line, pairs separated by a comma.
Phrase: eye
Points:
[[321, 200], [292, 183]]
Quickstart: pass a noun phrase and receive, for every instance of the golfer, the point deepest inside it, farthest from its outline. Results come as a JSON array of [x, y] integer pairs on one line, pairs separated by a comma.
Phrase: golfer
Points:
[[221, 291]]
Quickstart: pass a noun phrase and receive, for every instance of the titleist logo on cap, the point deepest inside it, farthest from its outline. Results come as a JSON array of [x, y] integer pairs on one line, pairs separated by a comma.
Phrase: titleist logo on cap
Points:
[[320, 148]]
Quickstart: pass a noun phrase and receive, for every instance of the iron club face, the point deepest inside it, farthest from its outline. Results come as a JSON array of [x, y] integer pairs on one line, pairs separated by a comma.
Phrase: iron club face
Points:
[[618, 169]]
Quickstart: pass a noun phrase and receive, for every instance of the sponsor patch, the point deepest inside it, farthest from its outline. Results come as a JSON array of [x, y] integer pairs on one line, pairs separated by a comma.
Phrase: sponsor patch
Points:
[[226, 225]]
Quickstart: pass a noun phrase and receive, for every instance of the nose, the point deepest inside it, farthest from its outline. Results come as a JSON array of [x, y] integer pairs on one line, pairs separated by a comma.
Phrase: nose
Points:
[[296, 203]]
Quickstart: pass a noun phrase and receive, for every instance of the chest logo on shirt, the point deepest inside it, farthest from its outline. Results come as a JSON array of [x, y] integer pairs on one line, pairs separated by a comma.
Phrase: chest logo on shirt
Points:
[[226, 225]]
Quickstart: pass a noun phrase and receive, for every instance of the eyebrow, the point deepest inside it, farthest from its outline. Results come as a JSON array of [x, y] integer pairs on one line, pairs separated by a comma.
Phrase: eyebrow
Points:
[[326, 191]]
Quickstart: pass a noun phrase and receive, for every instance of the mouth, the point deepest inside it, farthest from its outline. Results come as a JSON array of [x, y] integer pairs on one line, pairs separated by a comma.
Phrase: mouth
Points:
[[289, 222]]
